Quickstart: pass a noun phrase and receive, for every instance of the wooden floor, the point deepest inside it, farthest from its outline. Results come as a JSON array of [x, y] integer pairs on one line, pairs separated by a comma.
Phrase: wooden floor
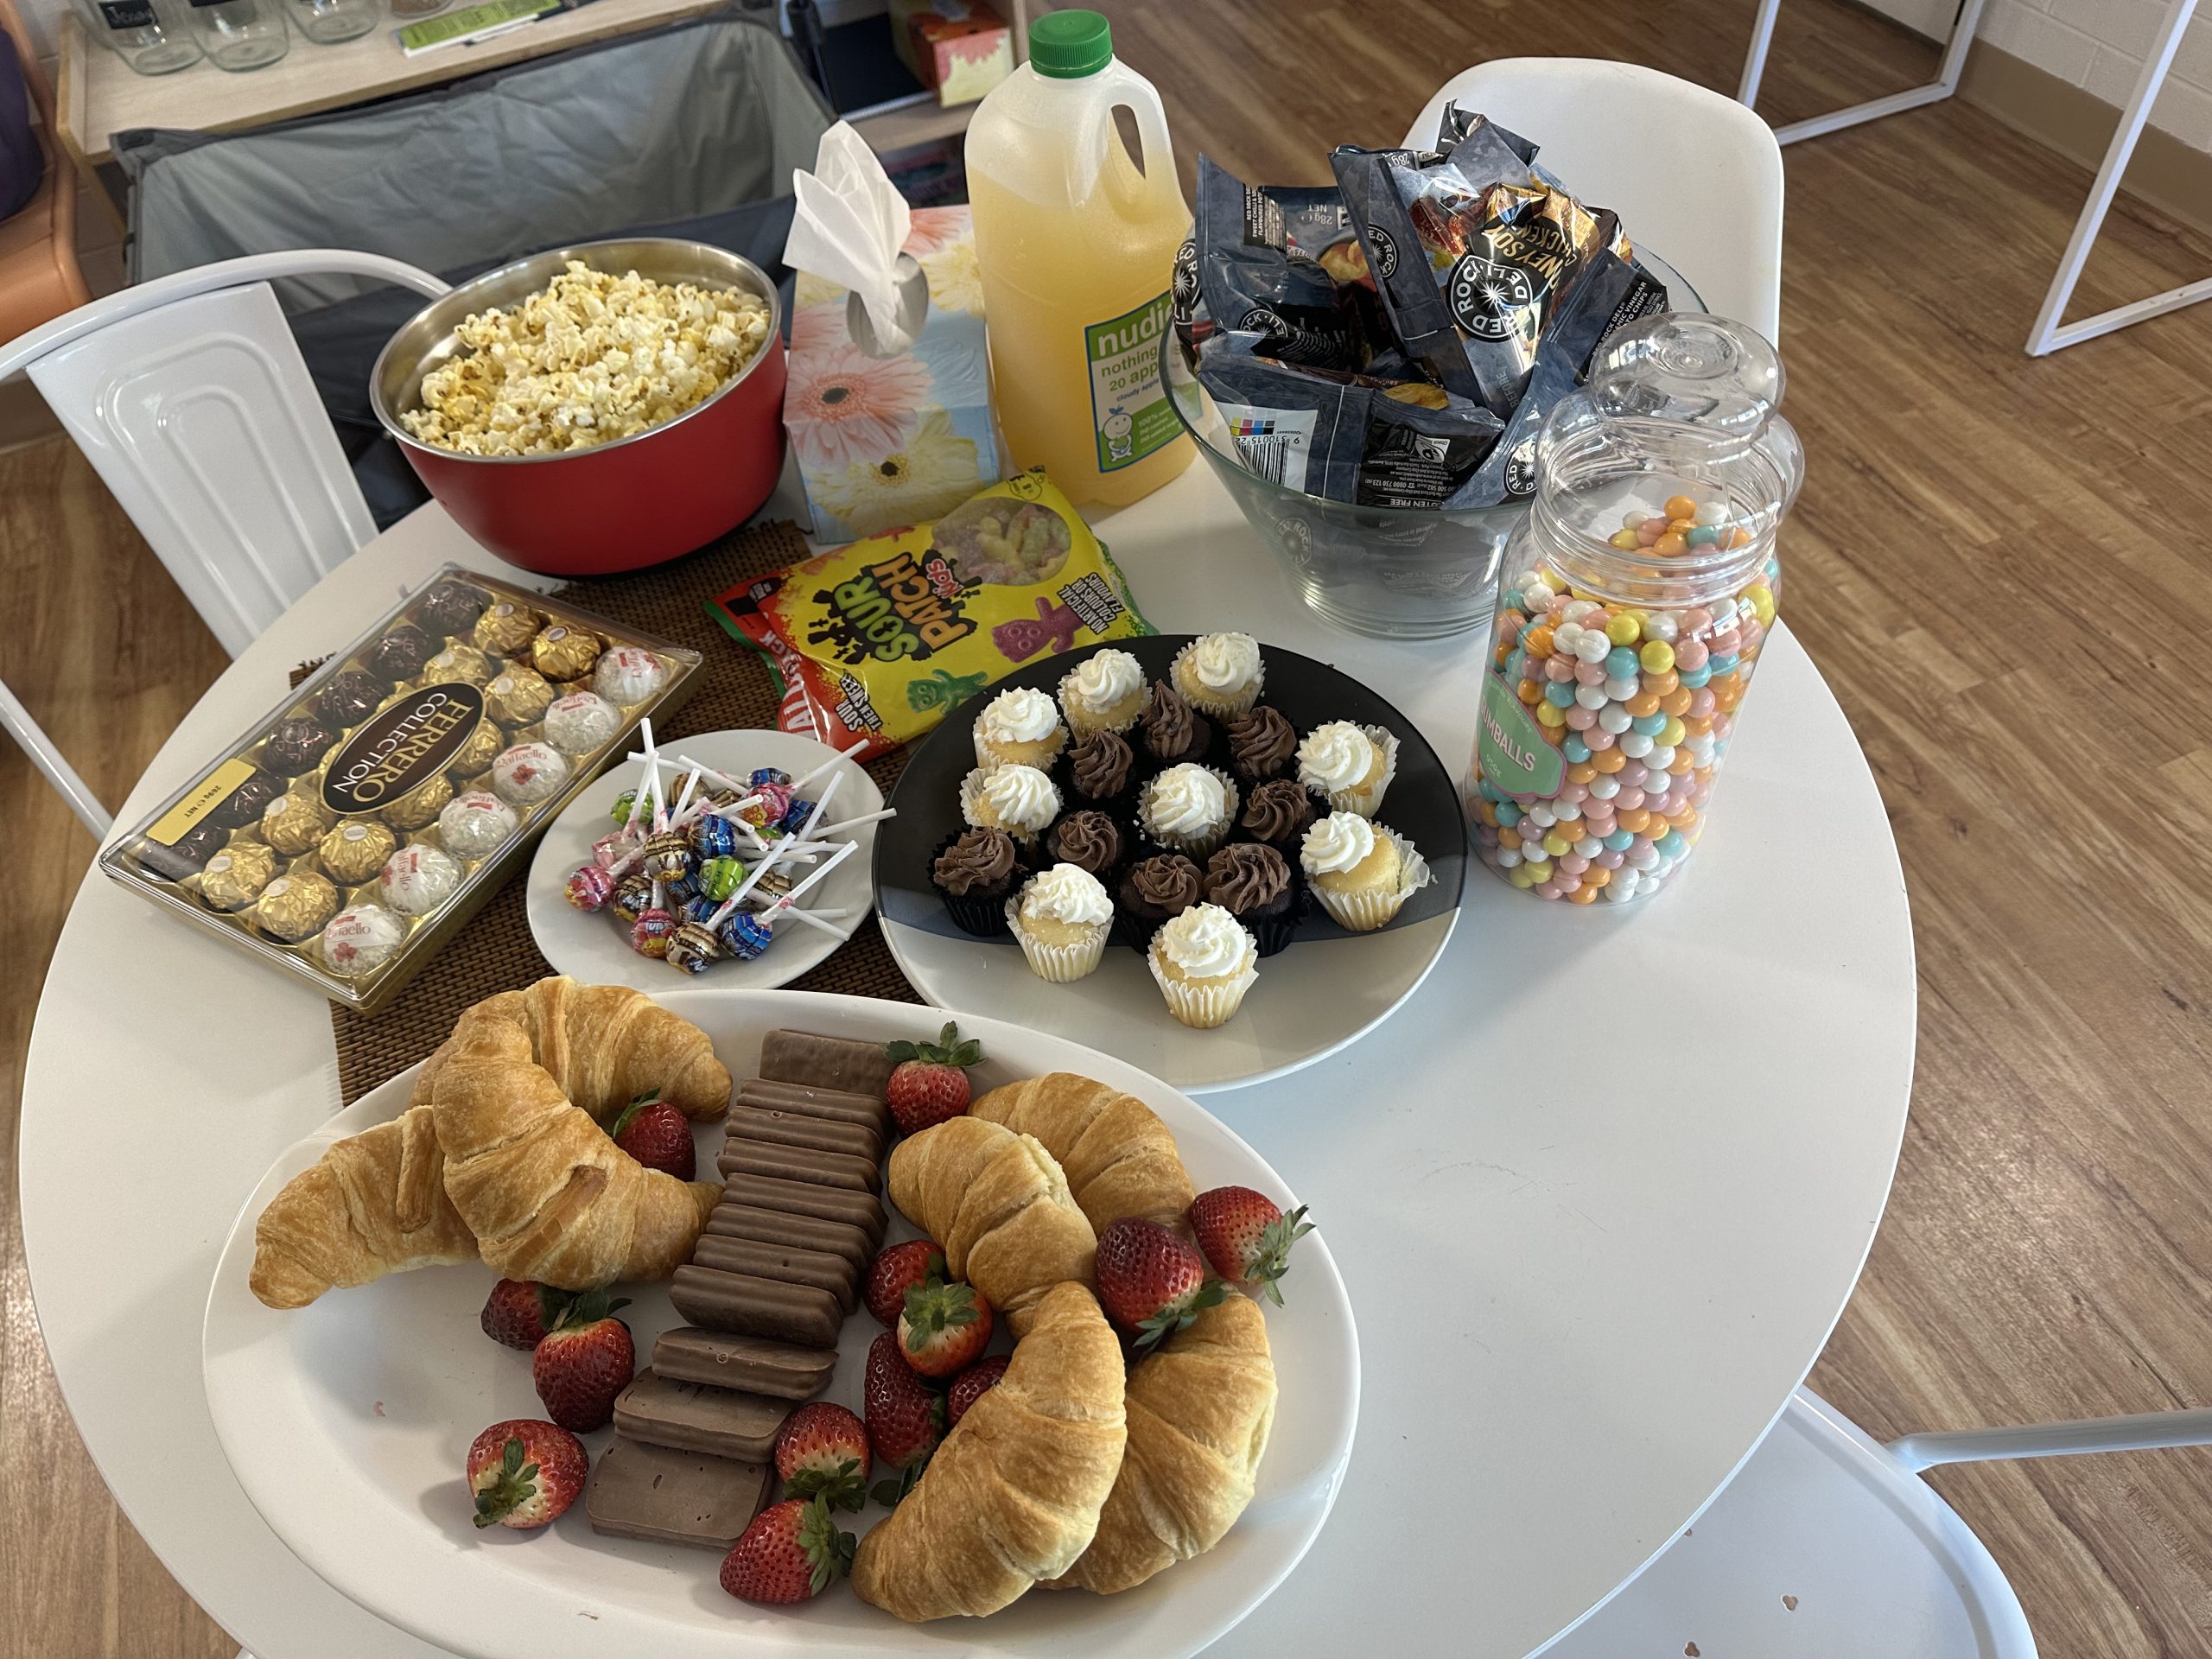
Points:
[[2003, 567]]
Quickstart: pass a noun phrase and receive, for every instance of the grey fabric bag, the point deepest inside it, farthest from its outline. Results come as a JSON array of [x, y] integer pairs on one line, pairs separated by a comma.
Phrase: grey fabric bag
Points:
[[693, 119]]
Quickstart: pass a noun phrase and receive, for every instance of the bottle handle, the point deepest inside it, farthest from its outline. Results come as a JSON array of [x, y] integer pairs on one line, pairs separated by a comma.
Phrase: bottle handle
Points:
[[1126, 185]]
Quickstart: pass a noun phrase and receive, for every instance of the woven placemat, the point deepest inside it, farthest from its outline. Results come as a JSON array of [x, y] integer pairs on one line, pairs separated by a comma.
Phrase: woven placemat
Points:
[[494, 951]]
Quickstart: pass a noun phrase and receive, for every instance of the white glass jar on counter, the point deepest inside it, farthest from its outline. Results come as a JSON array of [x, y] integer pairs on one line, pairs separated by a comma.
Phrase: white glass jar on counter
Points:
[[329, 22], [151, 36], [1631, 609], [240, 35]]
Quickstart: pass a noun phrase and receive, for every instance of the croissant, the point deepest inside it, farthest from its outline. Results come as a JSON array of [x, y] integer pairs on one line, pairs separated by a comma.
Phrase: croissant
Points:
[[1119, 1158], [1200, 1410], [604, 1045], [1013, 1493], [374, 1203], [999, 1206], [548, 1195]]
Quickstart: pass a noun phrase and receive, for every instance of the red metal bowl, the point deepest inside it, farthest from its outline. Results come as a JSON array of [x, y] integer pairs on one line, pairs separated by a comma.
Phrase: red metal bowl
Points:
[[639, 500]]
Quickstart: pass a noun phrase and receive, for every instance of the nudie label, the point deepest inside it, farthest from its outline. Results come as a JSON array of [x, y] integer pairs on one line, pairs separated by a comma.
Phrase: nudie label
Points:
[[402, 747]]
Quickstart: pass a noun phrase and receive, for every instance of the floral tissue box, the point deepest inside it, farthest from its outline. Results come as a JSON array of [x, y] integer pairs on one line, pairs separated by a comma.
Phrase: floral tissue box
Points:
[[884, 442]]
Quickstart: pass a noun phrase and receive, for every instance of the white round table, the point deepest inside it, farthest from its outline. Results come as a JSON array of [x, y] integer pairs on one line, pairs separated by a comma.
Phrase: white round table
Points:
[[1581, 1304]]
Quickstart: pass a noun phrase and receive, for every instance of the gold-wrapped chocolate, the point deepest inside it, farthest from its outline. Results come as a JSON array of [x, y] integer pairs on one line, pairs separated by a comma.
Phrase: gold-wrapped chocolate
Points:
[[482, 748], [234, 877], [294, 907], [419, 806], [356, 850], [463, 663], [518, 696], [506, 628], [295, 823], [564, 653]]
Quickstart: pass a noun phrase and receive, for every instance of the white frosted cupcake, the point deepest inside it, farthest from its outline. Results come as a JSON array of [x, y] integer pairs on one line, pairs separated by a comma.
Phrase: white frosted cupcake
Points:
[[1188, 807], [1349, 765], [1105, 692], [1362, 873], [1220, 674], [1205, 960], [1061, 918], [1019, 727], [1018, 799]]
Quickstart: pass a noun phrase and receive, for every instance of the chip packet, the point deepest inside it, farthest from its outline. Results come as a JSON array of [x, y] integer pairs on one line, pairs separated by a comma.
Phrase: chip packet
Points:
[[1285, 263], [877, 638], [1344, 437]]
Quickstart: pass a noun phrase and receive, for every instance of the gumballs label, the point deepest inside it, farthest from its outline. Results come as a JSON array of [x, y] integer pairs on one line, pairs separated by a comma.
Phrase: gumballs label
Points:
[[1510, 749]]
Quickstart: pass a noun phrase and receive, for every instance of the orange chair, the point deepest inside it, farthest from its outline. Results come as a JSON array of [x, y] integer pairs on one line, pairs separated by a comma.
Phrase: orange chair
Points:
[[39, 278]]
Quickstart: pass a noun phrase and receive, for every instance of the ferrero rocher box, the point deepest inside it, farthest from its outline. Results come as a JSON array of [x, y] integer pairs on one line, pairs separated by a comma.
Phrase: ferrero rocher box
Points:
[[347, 834]]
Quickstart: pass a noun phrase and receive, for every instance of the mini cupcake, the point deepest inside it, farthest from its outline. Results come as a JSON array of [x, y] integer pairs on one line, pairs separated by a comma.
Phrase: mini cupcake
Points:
[[1204, 961], [1089, 840], [1100, 768], [1361, 872], [1254, 884], [974, 871], [1347, 765], [1220, 674], [1261, 745], [1019, 727], [1156, 889], [1277, 812], [1060, 918], [1018, 799], [1188, 809], [1105, 692], [1172, 732]]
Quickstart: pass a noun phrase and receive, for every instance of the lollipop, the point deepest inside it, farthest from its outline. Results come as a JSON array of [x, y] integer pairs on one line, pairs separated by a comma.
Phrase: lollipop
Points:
[[590, 887], [633, 897], [693, 947], [775, 775], [718, 878], [745, 936], [649, 934], [713, 836], [697, 908], [626, 808], [668, 854]]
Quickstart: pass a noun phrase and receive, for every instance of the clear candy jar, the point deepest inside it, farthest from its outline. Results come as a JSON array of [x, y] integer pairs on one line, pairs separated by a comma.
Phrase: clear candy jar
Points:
[[1632, 610]]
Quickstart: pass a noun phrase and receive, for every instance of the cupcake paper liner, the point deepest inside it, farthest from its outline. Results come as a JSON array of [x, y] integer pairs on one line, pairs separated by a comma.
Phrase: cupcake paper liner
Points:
[[1081, 721], [1207, 702], [1193, 847], [984, 916], [1063, 964], [1363, 911], [1202, 1004], [1367, 798], [1041, 754]]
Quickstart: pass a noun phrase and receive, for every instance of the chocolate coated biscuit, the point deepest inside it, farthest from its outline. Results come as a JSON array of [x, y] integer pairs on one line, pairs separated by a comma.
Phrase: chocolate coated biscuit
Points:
[[838, 1105], [693, 1417], [825, 1062], [638, 1491], [839, 1238], [787, 1128], [743, 1157], [784, 1370], [773, 1260], [749, 1307], [804, 1198]]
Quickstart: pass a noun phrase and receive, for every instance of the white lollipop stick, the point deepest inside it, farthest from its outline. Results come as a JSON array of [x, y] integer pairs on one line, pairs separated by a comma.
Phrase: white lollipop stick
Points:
[[810, 917], [785, 901], [854, 824], [859, 743], [752, 877], [721, 777], [807, 828], [685, 800]]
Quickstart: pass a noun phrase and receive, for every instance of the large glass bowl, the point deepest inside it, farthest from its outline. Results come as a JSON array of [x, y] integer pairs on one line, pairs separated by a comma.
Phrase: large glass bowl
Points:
[[1397, 572]]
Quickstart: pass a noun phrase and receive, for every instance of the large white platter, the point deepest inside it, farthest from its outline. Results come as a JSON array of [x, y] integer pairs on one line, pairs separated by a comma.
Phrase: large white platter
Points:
[[596, 948], [347, 1423]]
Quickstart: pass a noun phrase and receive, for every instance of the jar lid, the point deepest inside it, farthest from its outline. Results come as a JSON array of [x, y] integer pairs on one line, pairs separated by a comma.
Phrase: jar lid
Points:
[[1069, 45], [1688, 367]]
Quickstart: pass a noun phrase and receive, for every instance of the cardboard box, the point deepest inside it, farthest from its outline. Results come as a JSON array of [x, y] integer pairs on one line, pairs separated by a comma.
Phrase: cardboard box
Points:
[[958, 48]]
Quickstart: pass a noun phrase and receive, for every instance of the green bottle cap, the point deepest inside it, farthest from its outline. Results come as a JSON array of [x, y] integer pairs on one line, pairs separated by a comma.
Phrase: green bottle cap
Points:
[[1069, 45]]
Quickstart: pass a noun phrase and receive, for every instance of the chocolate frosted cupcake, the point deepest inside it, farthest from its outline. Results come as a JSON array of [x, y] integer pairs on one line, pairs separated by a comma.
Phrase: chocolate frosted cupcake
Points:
[[1102, 770], [1277, 812], [1261, 745], [976, 872], [1089, 840], [1174, 731], [1254, 884], [1152, 890]]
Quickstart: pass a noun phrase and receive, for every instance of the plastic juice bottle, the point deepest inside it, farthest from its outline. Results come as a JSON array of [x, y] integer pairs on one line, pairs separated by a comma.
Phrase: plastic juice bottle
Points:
[[1077, 247]]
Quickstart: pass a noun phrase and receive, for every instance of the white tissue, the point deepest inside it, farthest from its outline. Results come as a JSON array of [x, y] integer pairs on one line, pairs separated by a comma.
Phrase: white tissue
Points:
[[849, 226]]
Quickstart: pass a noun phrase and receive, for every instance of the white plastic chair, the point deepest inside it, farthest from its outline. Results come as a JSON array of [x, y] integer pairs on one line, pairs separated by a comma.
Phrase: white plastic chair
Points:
[[1696, 176], [190, 398], [1828, 1545]]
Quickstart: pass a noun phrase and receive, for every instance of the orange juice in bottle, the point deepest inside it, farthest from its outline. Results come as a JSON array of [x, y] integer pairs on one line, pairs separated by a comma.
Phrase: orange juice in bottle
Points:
[[1077, 245]]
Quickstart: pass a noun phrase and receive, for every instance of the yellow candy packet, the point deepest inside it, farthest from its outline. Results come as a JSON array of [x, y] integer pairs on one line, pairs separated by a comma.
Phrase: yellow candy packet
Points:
[[877, 638]]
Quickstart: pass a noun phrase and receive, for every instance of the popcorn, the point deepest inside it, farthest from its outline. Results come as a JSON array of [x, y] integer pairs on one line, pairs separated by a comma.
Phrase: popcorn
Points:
[[593, 359]]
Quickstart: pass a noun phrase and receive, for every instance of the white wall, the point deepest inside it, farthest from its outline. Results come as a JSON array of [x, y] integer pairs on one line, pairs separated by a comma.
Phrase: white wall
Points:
[[43, 16], [2098, 45]]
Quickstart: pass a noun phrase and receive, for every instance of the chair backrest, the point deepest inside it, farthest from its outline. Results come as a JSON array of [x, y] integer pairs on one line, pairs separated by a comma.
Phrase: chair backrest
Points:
[[189, 397], [1696, 176]]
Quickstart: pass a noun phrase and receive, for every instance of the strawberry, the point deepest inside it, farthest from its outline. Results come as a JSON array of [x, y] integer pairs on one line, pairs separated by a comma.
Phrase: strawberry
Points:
[[584, 1361], [788, 1554], [1247, 1237], [905, 1421], [943, 1328], [519, 1313], [656, 1135], [972, 1384], [928, 1084], [823, 1452], [1152, 1282], [524, 1473], [899, 1270]]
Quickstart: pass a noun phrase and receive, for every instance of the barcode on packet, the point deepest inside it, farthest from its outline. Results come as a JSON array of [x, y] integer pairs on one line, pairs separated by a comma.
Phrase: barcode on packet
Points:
[[1267, 454], [1271, 442]]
